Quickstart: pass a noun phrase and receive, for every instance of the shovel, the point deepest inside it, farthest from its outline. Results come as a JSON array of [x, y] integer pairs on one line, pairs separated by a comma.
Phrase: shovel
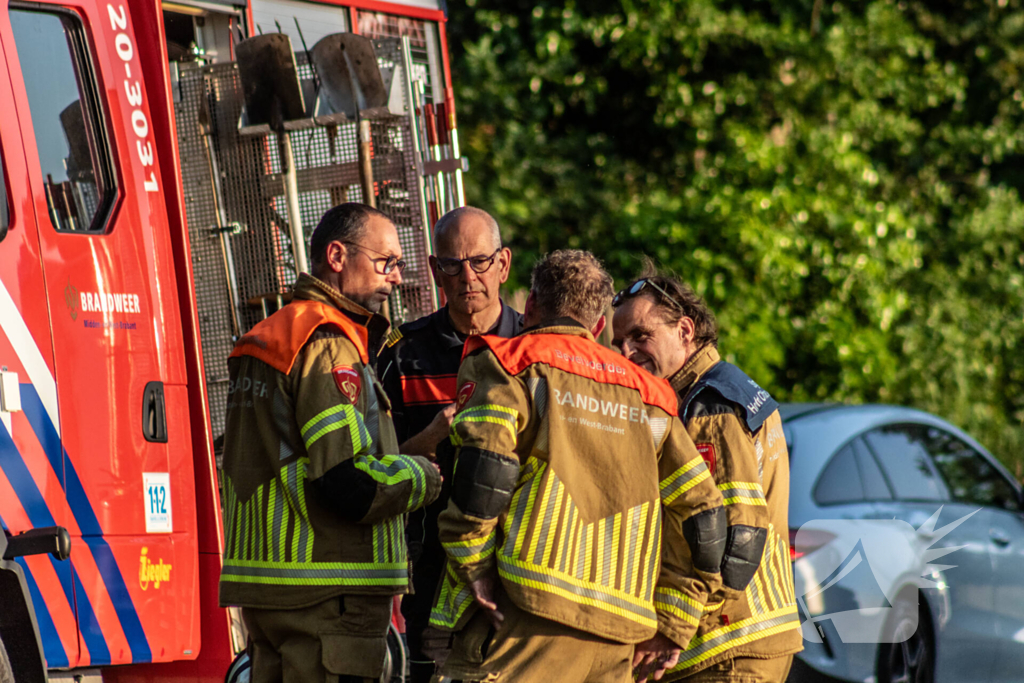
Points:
[[273, 96], [351, 84]]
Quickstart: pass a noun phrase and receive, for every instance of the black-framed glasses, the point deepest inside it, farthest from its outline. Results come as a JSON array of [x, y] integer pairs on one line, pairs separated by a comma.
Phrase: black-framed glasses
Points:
[[638, 287], [390, 260], [479, 264]]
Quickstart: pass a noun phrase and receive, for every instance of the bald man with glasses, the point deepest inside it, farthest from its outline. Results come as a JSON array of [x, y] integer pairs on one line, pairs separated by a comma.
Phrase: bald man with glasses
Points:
[[418, 368]]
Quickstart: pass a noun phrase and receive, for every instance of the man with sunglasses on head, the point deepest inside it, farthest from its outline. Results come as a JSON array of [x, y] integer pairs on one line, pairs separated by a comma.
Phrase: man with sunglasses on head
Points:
[[418, 368], [315, 489], [750, 630]]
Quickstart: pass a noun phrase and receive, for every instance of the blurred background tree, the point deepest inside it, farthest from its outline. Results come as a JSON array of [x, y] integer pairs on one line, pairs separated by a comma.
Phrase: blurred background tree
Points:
[[841, 181]]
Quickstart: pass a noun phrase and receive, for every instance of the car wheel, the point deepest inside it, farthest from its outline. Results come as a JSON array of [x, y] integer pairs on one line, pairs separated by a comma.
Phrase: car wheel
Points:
[[912, 658]]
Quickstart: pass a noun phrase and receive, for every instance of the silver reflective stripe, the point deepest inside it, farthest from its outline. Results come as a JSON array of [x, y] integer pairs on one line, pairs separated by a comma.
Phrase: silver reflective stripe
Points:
[[567, 533], [754, 597], [469, 551], [280, 502], [683, 478], [632, 545], [327, 571], [553, 488], [344, 413], [592, 593], [581, 554], [539, 391], [694, 653], [750, 494], [283, 419], [372, 417], [658, 427], [514, 529], [661, 596], [607, 561], [655, 565], [483, 411]]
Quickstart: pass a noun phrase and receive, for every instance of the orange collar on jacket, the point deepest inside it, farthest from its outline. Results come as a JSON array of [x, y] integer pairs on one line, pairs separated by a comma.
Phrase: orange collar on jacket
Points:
[[575, 352], [277, 340]]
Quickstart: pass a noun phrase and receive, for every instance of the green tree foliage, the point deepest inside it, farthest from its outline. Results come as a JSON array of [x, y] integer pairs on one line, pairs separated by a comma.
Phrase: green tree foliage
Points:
[[841, 181]]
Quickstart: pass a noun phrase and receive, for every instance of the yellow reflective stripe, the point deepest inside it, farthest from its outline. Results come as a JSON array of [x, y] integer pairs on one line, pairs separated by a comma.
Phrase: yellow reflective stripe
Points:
[[765, 599], [613, 570], [493, 420], [577, 591], [642, 532], [560, 509], [710, 644], [453, 600], [315, 573], [472, 550], [548, 483], [748, 493], [677, 490], [667, 481], [678, 605], [506, 417]]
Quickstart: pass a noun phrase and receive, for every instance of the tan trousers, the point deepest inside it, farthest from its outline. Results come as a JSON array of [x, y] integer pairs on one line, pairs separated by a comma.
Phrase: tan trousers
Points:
[[341, 640], [744, 670], [530, 649]]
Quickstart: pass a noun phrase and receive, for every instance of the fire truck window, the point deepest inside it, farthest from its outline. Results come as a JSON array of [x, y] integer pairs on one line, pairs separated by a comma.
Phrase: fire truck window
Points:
[[63, 102]]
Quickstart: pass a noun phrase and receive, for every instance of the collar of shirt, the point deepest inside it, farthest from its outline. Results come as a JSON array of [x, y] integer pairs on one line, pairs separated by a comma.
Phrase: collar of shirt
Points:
[[699, 363], [567, 326], [452, 338], [314, 289]]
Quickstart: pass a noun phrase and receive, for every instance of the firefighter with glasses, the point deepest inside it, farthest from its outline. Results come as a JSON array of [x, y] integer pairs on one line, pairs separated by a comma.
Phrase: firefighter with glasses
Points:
[[315, 489], [750, 630], [582, 519], [418, 368]]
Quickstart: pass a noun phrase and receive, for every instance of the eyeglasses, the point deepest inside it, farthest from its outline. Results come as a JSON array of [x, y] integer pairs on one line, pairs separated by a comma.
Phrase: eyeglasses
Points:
[[479, 264], [390, 261], [638, 287]]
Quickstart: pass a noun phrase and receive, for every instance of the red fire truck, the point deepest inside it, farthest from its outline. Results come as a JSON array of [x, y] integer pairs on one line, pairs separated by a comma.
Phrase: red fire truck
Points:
[[143, 227]]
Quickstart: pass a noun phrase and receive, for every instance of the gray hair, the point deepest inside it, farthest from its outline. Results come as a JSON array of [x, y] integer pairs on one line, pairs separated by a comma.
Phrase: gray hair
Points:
[[451, 220]]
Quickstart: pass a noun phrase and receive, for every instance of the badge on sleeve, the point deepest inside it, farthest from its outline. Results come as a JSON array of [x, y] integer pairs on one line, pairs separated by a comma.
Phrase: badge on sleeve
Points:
[[465, 391], [348, 380], [707, 451]]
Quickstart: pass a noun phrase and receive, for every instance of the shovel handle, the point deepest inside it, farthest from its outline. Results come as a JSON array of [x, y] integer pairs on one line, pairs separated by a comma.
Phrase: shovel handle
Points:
[[430, 118]]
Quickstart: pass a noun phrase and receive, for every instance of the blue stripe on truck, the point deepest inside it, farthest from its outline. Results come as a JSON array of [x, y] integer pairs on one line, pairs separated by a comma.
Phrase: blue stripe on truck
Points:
[[89, 525]]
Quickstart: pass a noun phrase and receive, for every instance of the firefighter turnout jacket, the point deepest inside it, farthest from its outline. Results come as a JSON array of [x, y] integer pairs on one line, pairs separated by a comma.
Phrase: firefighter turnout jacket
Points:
[[737, 429], [315, 492], [418, 368], [572, 475]]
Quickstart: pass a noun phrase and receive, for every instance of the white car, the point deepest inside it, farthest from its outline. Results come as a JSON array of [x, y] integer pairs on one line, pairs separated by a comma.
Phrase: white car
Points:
[[908, 549]]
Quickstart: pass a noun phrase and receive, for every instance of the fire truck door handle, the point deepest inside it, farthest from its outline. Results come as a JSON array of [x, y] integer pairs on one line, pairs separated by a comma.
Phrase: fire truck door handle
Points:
[[154, 414]]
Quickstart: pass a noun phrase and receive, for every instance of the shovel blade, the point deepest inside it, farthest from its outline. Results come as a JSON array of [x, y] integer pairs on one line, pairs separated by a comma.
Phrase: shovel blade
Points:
[[350, 79], [270, 80]]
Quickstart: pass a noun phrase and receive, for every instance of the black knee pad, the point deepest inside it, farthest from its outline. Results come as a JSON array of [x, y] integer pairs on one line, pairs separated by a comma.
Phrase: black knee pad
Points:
[[483, 482], [743, 551], [705, 534]]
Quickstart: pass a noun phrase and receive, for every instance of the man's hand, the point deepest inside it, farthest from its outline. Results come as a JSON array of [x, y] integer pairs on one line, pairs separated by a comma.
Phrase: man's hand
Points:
[[652, 658], [426, 441], [483, 592]]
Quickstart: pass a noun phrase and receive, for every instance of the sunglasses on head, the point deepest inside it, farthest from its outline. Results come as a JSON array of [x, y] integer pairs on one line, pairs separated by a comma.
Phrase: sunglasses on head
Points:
[[639, 286]]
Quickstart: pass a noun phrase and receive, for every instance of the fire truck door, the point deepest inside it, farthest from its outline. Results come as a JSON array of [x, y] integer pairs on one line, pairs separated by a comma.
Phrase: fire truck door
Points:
[[110, 287], [31, 473]]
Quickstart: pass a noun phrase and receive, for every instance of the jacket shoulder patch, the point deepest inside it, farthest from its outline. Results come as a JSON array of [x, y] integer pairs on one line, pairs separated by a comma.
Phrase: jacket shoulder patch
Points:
[[349, 381], [707, 452], [393, 338]]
